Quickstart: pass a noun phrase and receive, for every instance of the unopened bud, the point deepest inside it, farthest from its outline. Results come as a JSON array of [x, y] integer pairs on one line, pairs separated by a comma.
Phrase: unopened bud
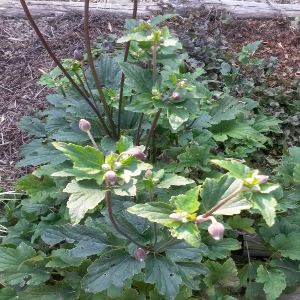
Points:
[[216, 230], [156, 181], [155, 92], [110, 178], [148, 174], [175, 216], [161, 39], [106, 167], [262, 178], [175, 96], [84, 125], [140, 254], [117, 165], [78, 55], [138, 153], [200, 219]]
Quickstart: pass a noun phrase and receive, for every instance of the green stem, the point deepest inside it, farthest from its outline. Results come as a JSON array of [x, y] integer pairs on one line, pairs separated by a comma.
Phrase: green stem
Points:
[[93, 70], [116, 226], [135, 5], [167, 244], [137, 139], [39, 34], [225, 200], [154, 224], [92, 139]]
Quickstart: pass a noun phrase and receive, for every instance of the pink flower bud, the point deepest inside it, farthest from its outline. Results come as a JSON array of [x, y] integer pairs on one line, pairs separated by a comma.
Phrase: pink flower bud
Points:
[[84, 125], [262, 178], [140, 254], [176, 96], [148, 174], [138, 153], [176, 216], [78, 55], [110, 178], [216, 230]]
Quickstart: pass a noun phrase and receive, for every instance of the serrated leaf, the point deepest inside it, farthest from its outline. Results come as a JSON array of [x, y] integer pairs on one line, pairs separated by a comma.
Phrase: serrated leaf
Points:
[[187, 231], [59, 291], [248, 273], [161, 18], [33, 126], [224, 275], [129, 294], [188, 270], [8, 294], [233, 129], [22, 264], [235, 168], [127, 189], [135, 36], [220, 249], [162, 272], [289, 268], [296, 173], [265, 203], [288, 245], [111, 268], [38, 190], [241, 223], [188, 202], [124, 144], [88, 240], [181, 251], [177, 117], [274, 281], [214, 191], [85, 195], [171, 179], [60, 258], [87, 159], [156, 211]]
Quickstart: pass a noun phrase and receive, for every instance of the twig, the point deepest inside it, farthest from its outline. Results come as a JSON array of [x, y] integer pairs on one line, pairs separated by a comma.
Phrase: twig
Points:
[[167, 244], [154, 224], [137, 139]]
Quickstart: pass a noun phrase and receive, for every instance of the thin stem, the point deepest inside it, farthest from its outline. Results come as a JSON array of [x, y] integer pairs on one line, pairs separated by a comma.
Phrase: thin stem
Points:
[[135, 5], [81, 83], [93, 70], [167, 244], [92, 139], [159, 112], [52, 55], [111, 217], [152, 130], [137, 139], [154, 224], [212, 210], [153, 148]]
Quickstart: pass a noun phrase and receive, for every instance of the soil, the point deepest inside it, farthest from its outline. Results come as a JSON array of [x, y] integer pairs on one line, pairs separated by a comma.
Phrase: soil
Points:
[[23, 59]]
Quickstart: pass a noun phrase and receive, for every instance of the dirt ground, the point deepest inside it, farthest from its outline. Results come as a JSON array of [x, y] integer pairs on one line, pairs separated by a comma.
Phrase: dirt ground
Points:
[[23, 59]]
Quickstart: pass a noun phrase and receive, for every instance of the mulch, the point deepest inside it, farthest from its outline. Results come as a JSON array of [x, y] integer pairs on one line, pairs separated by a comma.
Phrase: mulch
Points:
[[23, 59]]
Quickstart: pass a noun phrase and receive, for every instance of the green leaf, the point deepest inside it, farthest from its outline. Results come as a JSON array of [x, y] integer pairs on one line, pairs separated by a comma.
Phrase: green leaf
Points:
[[124, 144], [159, 19], [88, 240], [136, 78], [241, 223], [136, 36], [296, 174], [233, 129], [235, 168], [181, 251], [61, 290], [85, 195], [38, 190], [188, 202], [187, 231], [248, 273], [224, 275], [214, 191], [111, 268], [87, 159], [288, 245], [22, 265], [108, 145], [233, 206], [8, 294], [289, 268], [220, 249], [189, 271], [33, 126], [171, 179], [156, 211], [274, 281], [196, 157], [265, 203], [60, 258], [129, 294], [177, 117], [162, 272]]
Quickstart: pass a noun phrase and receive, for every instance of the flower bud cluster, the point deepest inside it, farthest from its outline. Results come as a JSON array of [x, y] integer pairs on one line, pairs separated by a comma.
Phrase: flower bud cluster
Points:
[[182, 83], [253, 183], [180, 216]]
